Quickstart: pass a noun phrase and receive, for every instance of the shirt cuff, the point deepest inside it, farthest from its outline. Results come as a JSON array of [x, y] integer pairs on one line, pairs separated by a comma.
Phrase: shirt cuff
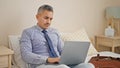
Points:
[[44, 59]]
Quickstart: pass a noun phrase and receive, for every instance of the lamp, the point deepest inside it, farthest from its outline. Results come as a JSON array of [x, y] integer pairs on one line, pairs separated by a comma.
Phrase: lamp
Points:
[[113, 18], [113, 12]]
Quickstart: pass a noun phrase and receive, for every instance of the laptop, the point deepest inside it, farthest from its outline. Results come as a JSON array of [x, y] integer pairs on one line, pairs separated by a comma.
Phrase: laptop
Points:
[[74, 52]]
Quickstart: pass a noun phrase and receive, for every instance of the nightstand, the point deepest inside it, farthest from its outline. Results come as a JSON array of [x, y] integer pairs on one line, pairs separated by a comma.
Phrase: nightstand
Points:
[[5, 57], [107, 41]]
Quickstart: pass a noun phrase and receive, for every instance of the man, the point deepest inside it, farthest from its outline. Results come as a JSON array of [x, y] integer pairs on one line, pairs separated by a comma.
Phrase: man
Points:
[[41, 45]]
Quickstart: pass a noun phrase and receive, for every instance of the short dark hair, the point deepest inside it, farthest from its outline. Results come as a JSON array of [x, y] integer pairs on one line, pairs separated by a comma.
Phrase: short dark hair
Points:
[[45, 7]]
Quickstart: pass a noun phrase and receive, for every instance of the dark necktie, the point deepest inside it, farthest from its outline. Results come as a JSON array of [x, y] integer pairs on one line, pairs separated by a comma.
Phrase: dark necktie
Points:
[[51, 50]]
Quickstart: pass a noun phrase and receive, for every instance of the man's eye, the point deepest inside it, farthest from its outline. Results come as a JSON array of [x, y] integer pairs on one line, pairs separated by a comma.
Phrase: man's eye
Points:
[[46, 17]]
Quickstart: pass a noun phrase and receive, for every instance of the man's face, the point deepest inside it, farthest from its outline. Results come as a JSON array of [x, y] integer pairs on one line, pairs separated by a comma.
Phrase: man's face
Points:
[[44, 19]]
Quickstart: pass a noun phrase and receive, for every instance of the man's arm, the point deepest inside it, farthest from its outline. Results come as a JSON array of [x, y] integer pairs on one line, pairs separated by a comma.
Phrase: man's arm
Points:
[[26, 50], [60, 43]]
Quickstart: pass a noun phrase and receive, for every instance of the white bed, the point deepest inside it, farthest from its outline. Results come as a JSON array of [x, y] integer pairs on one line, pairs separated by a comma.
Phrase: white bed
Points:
[[79, 35]]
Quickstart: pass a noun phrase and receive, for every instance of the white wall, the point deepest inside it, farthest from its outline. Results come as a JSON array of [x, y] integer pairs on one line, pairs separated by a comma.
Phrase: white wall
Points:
[[69, 16]]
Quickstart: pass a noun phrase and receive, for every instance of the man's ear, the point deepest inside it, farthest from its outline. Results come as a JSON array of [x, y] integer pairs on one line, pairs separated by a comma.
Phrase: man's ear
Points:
[[37, 16]]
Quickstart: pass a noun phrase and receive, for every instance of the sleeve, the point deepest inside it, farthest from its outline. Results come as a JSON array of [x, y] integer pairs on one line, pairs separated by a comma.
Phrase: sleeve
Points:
[[26, 50], [60, 43]]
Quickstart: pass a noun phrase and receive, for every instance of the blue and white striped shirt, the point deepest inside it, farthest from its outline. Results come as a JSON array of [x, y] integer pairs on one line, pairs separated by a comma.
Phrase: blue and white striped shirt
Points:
[[34, 48]]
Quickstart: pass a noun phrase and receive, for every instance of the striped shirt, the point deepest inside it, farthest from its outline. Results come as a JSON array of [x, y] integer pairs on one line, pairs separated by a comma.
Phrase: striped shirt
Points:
[[34, 48]]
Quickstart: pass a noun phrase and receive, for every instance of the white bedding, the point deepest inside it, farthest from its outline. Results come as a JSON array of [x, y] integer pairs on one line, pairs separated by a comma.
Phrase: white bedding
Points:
[[105, 53]]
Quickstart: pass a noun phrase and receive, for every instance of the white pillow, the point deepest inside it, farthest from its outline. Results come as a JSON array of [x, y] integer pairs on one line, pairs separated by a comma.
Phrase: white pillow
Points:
[[16, 59], [79, 35]]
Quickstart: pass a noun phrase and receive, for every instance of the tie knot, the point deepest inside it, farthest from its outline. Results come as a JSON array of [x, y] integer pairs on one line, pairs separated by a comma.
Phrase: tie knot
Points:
[[44, 31]]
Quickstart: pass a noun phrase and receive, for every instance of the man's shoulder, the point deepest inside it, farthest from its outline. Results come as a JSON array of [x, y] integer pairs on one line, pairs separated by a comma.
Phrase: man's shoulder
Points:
[[29, 30], [53, 30]]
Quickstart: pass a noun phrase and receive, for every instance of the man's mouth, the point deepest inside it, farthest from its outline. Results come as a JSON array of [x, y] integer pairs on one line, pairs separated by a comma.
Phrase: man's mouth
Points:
[[47, 24]]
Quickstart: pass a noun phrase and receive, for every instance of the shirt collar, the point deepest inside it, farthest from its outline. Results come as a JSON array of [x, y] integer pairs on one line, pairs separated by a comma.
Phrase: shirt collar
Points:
[[39, 28]]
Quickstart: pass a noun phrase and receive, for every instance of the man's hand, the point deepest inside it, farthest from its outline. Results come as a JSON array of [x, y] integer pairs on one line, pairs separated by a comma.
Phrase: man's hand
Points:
[[53, 60]]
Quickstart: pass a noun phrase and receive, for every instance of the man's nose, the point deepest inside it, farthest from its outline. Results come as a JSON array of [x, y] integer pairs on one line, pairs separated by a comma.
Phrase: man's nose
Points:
[[48, 21]]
